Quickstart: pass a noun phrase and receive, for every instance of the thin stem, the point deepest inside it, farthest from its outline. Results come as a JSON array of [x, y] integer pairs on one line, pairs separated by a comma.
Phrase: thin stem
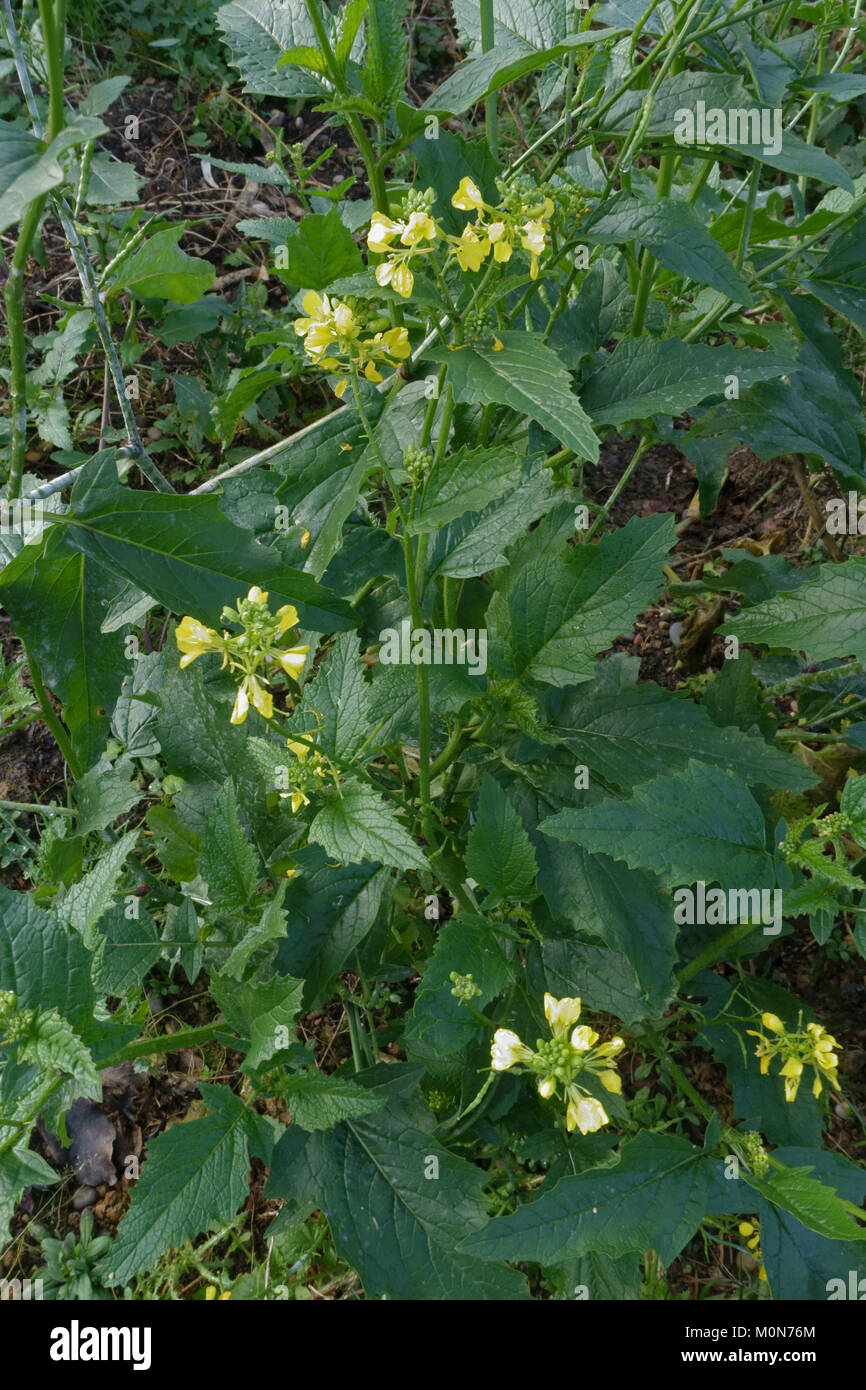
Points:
[[61, 737], [36, 806], [643, 445], [648, 261]]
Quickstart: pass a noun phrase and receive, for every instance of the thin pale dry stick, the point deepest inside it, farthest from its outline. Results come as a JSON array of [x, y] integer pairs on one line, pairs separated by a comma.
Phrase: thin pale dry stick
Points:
[[813, 509]]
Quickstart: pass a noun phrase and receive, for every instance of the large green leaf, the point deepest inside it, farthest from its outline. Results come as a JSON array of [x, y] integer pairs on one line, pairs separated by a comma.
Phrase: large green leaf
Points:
[[264, 1013], [195, 1173], [185, 552], [335, 702], [476, 542], [489, 72], [840, 279], [527, 376], [227, 861], [257, 33], [823, 617], [131, 946], [466, 480], [559, 609], [630, 735], [799, 1263], [815, 1205], [517, 24], [87, 901], [161, 270], [320, 251], [356, 824], [665, 376], [383, 75], [44, 964], [702, 823], [32, 169], [82, 665], [317, 1101], [329, 912], [419, 1202], [677, 237], [652, 1199], [499, 855]]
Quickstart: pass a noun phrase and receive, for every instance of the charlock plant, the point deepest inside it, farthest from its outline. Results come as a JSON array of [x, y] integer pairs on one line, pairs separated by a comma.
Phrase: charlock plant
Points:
[[384, 800]]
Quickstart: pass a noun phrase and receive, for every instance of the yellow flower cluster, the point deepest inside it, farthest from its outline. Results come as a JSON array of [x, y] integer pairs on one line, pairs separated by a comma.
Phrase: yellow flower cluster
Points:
[[560, 1059], [332, 339], [248, 652], [316, 768], [751, 1233], [813, 1047], [499, 229], [409, 236]]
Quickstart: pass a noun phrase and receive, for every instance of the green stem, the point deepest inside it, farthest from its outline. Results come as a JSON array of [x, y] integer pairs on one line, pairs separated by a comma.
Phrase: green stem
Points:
[[35, 806], [168, 1042], [61, 737], [13, 296], [715, 951], [648, 261], [491, 124], [643, 445]]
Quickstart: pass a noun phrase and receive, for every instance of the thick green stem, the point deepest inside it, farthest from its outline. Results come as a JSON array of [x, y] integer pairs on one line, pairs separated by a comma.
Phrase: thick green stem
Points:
[[491, 122], [715, 951], [648, 262]]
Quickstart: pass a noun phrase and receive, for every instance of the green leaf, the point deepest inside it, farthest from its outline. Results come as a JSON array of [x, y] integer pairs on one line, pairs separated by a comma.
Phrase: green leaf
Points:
[[630, 735], [264, 1013], [271, 926], [664, 376], [528, 377], [227, 861], [815, 1205], [652, 1199], [88, 900], [102, 95], [43, 963], [465, 481], [33, 169], [185, 552], [176, 844], [81, 664], [823, 617], [475, 543], [853, 803], [54, 1045], [799, 1263], [499, 855], [440, 1026], [676, 235], [334, 704], [840, 279], [196, 1173], [383, 75], [702, 823], [473, 80], [20, 1168], [518, 24], [558, 610], [329, 913], [357, 824], [103, 794], [321, 251], [161, 270], [131, 946], [317, 1101], [257, 32], [403, 1238]]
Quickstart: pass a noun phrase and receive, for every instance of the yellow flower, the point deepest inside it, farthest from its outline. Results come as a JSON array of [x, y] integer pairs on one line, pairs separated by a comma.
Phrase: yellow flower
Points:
[[292, 660], [547, 1088], [585, 1113], [210, 1294], [288, 616], [534, 240], [501, 243], [382, 231], [298, 800], [194, 639], [397, 274], [773, 1022], [583, 1038], [468, 196], [612, 1048], [611, 1081], [250, 692], [507, 1049], [305, 540], [470, 249], [561, 1014]]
